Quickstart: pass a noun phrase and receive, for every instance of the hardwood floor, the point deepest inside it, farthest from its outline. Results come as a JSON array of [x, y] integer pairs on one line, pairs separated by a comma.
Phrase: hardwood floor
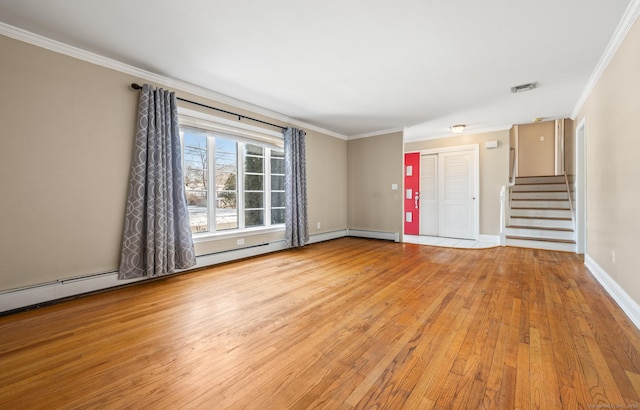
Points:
[[350, 323]]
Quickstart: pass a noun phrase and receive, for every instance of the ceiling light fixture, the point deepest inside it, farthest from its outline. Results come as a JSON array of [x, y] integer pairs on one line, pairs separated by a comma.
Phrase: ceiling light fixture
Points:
[[457, 129]]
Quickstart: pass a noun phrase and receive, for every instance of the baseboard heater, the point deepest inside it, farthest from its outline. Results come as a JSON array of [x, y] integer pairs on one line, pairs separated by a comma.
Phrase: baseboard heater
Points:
[[44, 293], [389, 236]]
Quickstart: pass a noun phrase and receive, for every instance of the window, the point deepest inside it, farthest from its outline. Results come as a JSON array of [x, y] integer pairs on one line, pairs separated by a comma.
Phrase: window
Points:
[[231, 183]]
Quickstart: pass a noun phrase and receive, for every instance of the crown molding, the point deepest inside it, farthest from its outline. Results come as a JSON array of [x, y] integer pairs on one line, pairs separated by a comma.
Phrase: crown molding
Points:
[[376, 133], [475, 131], [175, 84], [628, 19]]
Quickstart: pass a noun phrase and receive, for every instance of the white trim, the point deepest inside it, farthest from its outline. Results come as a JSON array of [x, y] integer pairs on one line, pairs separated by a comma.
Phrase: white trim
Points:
[[376, 133], [235, 125], [236, 233], [475, 131], [622, 298], [580, 187], [489, 238], [388, 236], [46, 292], [175, 84], [430, 151], [628, 19]]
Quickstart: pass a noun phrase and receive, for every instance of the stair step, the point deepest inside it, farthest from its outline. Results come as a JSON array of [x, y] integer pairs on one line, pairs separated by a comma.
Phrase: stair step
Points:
[[541, 208], [542, 222], [545, 217], [541, 234], [540, 213], [540, 203], [544, 228], [539, 187], [538, 244], [544, 195], [540, 239], [548, 179]]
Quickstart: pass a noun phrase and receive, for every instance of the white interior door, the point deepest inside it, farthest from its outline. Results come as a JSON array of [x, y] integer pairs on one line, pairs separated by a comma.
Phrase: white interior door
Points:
[[457, 194], [429, 195]]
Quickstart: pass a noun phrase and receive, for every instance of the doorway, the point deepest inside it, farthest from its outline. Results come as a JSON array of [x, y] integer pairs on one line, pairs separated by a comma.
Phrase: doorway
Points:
[[448, 203]]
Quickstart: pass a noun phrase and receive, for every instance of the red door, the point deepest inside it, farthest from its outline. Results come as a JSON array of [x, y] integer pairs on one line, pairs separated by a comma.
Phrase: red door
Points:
[[411, 193]]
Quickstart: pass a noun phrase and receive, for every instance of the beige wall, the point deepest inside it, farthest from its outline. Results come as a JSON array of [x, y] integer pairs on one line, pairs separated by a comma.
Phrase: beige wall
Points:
[[613, 166], [494, 171], [374, 164], [536, 157], [67, 136]]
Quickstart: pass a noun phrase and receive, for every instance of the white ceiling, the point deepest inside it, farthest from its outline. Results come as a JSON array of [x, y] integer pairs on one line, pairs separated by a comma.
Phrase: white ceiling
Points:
[[354, 67]]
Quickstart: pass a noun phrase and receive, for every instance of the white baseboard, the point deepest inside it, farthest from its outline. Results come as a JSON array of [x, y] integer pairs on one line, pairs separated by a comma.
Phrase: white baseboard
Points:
[[622, 298], [489, 238], [47, 292], [389, 236]]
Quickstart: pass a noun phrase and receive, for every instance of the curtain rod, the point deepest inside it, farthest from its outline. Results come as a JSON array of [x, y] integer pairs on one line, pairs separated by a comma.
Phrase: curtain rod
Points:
[[240, 116]]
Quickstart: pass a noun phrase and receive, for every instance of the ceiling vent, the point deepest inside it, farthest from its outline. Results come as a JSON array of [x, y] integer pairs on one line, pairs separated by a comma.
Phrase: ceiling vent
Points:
[[523, 87]]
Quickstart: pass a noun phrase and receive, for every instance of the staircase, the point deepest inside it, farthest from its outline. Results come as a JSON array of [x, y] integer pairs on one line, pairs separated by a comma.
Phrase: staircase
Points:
[[540, 215]]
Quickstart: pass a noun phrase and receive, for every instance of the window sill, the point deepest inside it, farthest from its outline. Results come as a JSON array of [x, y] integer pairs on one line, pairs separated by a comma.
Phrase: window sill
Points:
[[235, 233]]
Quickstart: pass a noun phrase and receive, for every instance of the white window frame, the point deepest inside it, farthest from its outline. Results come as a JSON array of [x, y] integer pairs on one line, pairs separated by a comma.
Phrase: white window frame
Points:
[[243, 134]]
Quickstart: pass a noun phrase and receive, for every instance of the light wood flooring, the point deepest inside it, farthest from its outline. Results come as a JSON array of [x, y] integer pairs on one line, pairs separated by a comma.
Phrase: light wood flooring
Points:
[[349, 323]]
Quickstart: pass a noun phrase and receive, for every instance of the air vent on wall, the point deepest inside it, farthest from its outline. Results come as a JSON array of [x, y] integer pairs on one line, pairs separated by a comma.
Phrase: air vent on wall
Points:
[[524, 87]]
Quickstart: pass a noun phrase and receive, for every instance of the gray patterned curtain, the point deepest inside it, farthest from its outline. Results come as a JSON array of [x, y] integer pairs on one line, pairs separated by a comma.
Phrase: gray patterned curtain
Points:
[[295, 216], [157, 238]]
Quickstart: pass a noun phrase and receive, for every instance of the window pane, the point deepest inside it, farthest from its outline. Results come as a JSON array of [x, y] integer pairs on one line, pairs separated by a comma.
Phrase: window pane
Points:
[[254, 149], [277, 216], [254, 164], [226, 200], [226, 181], [277, 166], [223, 145], [192, 139], [277, 182], [226, 184], [278, 154], [195, 161], [277, 199], [198, 212], [253, 200], [226, 210], [253, 182], [196, 180], [254, 218]]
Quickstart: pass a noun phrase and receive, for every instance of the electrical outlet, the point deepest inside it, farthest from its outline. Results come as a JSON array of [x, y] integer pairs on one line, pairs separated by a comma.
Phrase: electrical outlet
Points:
[[240, 241], [318, 225], [613, 257]]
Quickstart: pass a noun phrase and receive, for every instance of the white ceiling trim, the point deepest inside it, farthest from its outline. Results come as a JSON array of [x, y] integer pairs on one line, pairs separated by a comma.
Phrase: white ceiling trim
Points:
[[377, 133], [474, 132], [628, 19], [174, 84]]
